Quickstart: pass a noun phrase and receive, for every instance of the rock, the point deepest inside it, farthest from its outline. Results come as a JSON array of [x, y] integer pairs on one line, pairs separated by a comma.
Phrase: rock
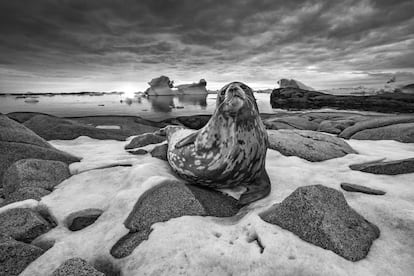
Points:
[[349, 187], [39, 173], [78, 267], [335, 127], [82, 219], [193, 122], [389, 168], [309, 145], [23, 224], [291, 122], [144, 140], [138, 152], [215, 203], [409, 89], [296, 98], [160, 152], [18, 142], [24, 193], [11, 152], [321, 216], [169, 200], [127, 244], [292, 83], [55, 128], [403, 133], [375, 123], [15, 256], [11, 131]]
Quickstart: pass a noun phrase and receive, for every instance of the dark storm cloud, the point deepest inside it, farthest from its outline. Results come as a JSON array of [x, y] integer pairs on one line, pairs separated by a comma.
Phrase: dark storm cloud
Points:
[[242, 38]]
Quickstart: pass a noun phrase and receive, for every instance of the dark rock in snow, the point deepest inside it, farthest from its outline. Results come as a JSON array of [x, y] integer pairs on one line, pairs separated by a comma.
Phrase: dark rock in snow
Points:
[[15, 256], [23, 224], [38, 173], [78, 267], [349, 187], [82, 219], [321, 216], [144, 140], [390, 168], [24, 193], [169, 200]]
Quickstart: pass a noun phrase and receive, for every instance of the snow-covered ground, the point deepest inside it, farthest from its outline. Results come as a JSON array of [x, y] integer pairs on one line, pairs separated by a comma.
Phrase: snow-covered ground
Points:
[[223, 246]]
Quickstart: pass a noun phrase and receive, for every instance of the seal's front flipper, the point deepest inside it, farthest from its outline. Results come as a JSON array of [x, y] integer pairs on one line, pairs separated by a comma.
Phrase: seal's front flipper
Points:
[[190, 139], [256, 190]]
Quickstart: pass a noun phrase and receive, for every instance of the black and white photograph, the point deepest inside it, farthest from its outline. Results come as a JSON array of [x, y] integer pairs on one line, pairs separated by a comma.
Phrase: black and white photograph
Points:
[[208, 137]]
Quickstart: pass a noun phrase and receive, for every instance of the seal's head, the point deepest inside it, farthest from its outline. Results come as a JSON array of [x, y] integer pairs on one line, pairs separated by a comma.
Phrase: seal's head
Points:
[[236, 98]]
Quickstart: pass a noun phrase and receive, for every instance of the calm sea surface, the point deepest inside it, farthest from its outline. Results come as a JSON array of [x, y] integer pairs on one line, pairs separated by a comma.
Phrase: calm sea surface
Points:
[[155, 107]]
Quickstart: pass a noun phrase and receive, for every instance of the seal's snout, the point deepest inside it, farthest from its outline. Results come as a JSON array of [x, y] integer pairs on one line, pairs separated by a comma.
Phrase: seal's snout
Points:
[[234, 90]]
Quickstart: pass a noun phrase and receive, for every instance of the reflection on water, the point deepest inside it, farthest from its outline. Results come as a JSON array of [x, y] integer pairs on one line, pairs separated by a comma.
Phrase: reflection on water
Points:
[[200, 100], [152, 108], [167, 103]]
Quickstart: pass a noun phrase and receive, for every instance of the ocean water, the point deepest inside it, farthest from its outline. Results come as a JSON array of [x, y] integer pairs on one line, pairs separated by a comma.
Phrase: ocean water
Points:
[[154, 107]]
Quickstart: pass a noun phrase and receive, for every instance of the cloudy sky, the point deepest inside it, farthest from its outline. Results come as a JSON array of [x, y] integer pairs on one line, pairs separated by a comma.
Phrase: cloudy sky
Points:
[[102, 45]]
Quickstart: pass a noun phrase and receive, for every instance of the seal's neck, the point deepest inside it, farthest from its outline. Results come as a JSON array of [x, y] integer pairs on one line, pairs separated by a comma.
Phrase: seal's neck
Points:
[[222, 129]]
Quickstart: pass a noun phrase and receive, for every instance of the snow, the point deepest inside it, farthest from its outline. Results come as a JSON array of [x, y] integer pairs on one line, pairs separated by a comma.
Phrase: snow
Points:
[[108, 127], [225, 246]]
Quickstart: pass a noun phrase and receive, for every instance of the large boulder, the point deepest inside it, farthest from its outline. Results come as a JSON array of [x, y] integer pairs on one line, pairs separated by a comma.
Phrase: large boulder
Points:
[[55, 128], [40, 173], [12, 131], [297, 98], [193, 122], [321, 216], [23, 224], [375, 123], [389, 168], [15, 256], [291, 122], [144, 140], [310, 145], [76, 267], [169, 200], [403, 133], [24, 193]]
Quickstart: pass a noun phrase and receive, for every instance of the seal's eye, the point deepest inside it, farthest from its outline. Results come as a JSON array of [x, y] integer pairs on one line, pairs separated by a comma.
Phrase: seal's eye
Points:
[[222, 92]]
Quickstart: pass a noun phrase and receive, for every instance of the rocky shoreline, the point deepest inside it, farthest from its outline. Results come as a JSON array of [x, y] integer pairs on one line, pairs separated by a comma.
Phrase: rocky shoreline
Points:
[[296, 99], [91, 200]]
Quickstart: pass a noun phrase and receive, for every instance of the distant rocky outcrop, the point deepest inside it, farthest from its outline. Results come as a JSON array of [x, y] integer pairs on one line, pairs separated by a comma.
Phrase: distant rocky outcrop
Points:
[[193, 89], [292, 83], [296, 98], [321, 216], [160, 86], [310, 145]]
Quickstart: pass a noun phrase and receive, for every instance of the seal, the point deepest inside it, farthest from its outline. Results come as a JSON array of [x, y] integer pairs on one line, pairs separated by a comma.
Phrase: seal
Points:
[[229, 151]]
